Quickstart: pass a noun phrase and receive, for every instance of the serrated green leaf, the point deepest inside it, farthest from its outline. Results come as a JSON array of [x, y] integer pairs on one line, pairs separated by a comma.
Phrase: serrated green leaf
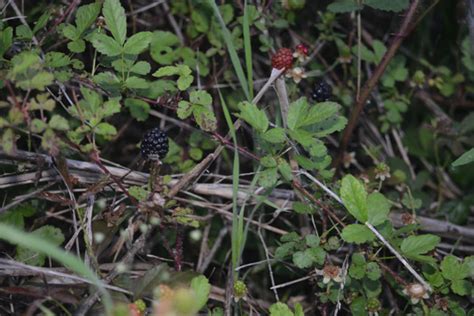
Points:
[[38, 126], [354, 196], [302, 259], [268, 177], [312, 240], [452, 269], [141, 68], [418, 245], [85, 16], [319, 113], [285, 169], [378, 208], [297, 113], [268, 162], [329, 126], [275, 135], [134, 82], [69, 31], [6, 40], [77, 46], [138, 108], [110, 107], [57, 59], [357, 233], [105, 129], [162, 47], [280, 309], [373, 271], [106, 45], [200, 97], [140, 193], [115, 20], [205, 118], [461, 287], [59, 123], [185, 109], [137, 43], [201, 288], [253, 116]]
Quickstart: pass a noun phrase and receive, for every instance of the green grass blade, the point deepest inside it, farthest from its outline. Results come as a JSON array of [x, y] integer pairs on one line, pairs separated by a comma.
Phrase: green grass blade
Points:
[[232, 51], [248, 49], [27, 240], [236, 231]]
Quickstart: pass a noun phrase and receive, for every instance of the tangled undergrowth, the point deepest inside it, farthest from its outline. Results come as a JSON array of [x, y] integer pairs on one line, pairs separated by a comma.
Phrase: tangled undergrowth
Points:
[[244, 157]]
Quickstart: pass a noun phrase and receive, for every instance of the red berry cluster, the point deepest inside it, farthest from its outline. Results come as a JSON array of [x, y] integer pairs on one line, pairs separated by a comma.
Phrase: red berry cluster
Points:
[[283, 58]]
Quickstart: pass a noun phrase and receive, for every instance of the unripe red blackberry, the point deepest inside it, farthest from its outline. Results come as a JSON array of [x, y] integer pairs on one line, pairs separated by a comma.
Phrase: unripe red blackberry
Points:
[[283, 59], [154, 144], [322, 92]]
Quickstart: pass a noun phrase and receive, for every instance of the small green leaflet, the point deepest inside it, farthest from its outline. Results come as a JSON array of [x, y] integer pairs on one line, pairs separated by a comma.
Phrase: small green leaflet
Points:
[[465, 158], [254, 116], [354, 196], [357, 233], [414, 247], [115, 19]]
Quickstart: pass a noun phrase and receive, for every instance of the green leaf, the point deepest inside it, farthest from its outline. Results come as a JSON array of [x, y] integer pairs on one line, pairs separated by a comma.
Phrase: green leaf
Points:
[[253, 116], [357, 233], [453, 269], [105, 129], [461, 287], [378, 208], [268, 177], [115, 20], [268, 162], [106, 45], [59, 123], [343, 6], [317, 254], [85, 16], [140, 193], [161, 48], [297, 113], [200, 97], [38, 126], [138, 108], [418, 245], [137, 43], [134, 82], [110, 107], [388, 5], [185, 109], [183, 71], [202, 288], [56, 59], [354, 196], [373, 271], [318, 113], [141, 68], [205, 118], [302, 208], [6, 40], [69, 31], [358, 266], [275, 135], [8, 141], [280, 309], [303, 259], [285, 169], [49, 233], [77, 46], [312, 240], [465, 158]]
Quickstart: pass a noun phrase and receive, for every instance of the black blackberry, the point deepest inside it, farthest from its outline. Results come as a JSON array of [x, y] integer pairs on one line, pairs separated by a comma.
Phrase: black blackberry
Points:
[[154, 144], [322, 92]]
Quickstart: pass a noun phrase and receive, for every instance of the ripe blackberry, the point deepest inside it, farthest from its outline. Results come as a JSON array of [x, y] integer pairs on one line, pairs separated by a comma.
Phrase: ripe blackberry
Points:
[[283, 59], [322, 92], [154, 144]]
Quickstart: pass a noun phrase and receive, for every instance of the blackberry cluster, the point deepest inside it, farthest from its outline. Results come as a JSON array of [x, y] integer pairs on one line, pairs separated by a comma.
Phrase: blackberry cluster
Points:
[[154, 144], [322, 92]]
